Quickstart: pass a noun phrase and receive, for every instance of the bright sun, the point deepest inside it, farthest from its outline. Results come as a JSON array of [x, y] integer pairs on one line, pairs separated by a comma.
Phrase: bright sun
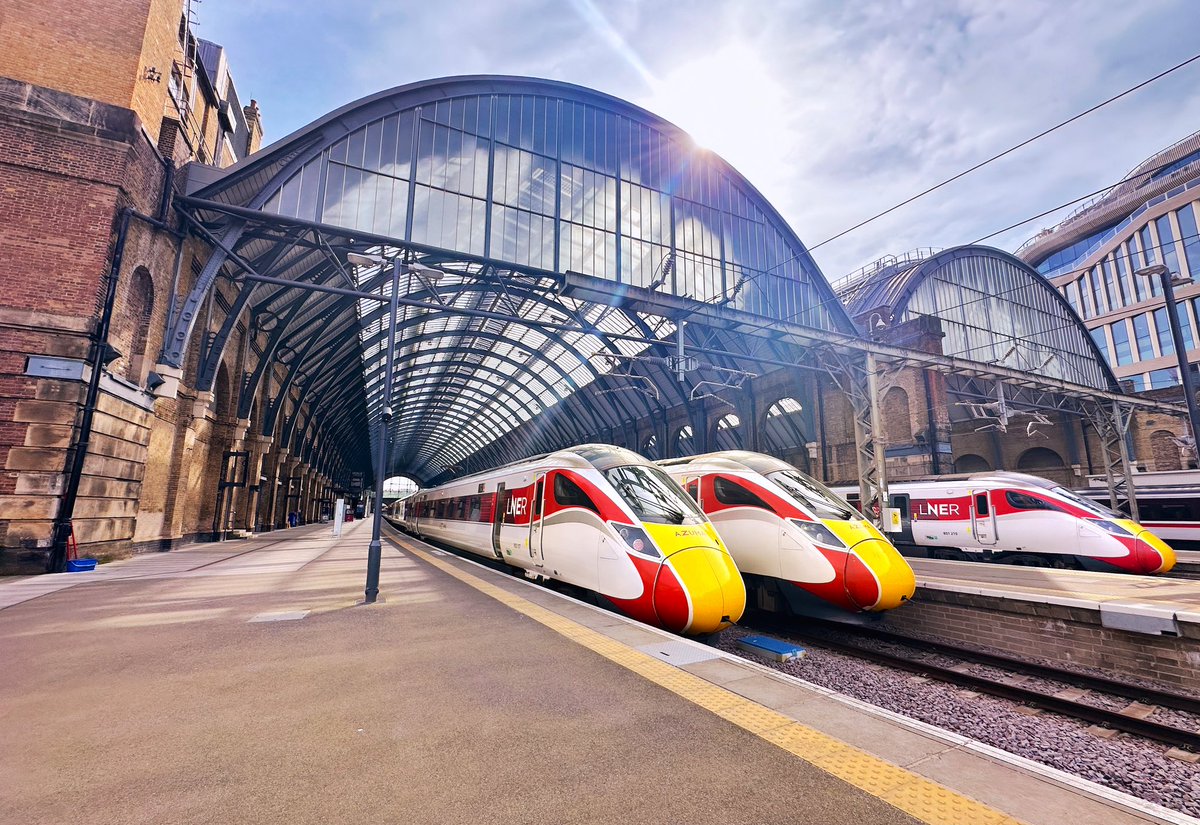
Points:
[[728, 102]]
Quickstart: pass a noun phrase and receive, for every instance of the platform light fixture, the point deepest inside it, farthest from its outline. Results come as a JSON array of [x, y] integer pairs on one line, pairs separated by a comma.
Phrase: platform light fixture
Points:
[[1169, 283]]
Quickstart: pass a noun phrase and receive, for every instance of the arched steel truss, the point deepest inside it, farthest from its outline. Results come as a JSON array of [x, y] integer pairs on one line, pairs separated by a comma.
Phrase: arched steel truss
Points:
[[494, 360]]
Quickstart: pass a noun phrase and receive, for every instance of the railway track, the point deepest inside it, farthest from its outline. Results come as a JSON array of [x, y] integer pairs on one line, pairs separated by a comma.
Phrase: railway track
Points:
[[1130, 719]]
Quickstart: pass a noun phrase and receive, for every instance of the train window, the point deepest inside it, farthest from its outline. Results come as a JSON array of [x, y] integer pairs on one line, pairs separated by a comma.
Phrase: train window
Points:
[[693, 489], [816, 497], [652, 495], [569, 494], [1022, 501], [537, 498], [730, 492], [981, 504]]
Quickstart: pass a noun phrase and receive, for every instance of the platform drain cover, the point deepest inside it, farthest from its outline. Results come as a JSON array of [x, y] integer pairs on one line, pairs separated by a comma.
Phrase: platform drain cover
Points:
[[678, 653], [280, 617]]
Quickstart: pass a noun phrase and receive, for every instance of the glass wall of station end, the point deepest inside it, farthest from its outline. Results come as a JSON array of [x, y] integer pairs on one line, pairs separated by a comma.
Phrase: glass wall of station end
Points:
[[994, 311], [565, 186], [1110, 287]]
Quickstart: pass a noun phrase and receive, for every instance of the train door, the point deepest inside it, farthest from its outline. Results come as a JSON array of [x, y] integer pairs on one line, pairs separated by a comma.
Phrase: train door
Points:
[[902, 503], [501, 507], [983, 517], [535, 521]]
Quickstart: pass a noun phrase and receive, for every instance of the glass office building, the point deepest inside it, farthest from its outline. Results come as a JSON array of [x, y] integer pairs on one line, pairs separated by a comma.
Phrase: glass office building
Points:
[[1093, 256]]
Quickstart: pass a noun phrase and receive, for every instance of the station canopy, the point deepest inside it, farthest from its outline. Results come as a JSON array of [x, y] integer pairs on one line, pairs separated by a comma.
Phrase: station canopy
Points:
[[991, 308], [521, 213]]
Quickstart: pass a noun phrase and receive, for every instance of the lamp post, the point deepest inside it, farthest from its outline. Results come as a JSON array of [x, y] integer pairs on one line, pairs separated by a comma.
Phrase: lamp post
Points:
[[1189, 390], [375, 548]]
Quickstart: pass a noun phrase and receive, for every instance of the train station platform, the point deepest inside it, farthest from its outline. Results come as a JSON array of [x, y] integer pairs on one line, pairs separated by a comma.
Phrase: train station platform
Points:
[[1128, 627], [244, 683]]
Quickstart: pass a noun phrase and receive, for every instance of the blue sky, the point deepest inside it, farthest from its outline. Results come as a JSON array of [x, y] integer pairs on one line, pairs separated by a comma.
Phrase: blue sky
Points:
[[833, 110]]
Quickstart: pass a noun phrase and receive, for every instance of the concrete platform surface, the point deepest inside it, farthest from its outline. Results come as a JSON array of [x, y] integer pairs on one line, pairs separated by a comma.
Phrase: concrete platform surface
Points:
[[196, 687]]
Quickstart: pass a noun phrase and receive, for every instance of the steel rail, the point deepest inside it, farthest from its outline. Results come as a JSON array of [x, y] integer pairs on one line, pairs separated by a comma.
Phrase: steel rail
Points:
[[1163, 698], [1145, 728]]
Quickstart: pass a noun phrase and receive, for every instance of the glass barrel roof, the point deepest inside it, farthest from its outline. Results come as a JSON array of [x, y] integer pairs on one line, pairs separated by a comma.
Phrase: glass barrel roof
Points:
[[499, 183], [992, 308]]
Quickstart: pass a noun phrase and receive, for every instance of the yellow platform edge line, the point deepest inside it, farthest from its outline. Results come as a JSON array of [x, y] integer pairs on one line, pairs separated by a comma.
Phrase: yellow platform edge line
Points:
[[921, 798]]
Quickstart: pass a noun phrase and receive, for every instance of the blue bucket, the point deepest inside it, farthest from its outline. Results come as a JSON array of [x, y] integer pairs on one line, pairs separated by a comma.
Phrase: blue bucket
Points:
[[81, 565]]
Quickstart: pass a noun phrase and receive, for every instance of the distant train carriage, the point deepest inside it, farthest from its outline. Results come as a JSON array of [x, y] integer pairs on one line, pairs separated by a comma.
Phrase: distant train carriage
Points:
[[598, 517], [1168, 504], [1021, 519], [792, 535]]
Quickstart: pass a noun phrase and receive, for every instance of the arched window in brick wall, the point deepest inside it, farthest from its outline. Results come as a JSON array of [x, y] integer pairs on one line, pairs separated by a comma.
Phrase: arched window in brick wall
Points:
[[729, 433], [897, 417], [783, 427], [1165, 451], [1039, 458], [140, 311], [971, 463], [685, 443], [650, 448]]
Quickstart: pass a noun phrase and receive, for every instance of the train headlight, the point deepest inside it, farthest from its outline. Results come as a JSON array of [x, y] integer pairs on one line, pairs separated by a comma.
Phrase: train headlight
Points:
[[818, 534], [1110, 527], [636, 539]]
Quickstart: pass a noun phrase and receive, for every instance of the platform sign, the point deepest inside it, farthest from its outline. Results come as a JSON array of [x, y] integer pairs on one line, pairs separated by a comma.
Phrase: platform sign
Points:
[[356, 484], [339, 516], [891, 520]]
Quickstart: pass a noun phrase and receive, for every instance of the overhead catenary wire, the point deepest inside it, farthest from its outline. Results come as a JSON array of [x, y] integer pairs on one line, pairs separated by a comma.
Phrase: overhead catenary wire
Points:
[[838, 300], [808, 250], [1006, 152]]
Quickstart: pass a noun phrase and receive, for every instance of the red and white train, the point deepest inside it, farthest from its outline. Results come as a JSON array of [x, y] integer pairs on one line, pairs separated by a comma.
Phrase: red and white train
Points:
[[790, 535], [1021, 519], [598, 517], [1168, 504]]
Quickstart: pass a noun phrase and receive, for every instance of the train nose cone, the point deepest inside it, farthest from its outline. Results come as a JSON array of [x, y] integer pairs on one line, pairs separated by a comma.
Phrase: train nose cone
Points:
[[877, 577], [1153, 555], [698, 591]]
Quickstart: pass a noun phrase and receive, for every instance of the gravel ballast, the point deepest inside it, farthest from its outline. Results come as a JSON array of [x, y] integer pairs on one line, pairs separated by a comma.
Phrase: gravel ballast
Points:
[[1125, 763]]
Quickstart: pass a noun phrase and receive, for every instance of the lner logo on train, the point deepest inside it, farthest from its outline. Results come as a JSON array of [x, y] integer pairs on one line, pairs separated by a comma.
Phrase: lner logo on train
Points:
[[926, 509]]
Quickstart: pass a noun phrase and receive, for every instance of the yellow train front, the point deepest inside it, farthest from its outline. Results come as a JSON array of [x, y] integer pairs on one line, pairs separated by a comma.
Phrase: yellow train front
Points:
[[793, 537], [600, 518], [686, 580]]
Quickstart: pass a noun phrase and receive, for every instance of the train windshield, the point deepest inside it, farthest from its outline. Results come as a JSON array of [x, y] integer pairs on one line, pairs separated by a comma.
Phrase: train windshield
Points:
[[1094, 507], [653, 496], [819, 499]]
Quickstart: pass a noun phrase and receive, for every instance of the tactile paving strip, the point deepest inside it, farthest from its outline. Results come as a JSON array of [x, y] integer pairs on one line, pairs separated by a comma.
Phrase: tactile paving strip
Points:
[[917, 796]]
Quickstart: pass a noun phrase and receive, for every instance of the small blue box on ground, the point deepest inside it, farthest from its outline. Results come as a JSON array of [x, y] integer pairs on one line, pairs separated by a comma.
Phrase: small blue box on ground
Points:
[[81, 565], [771, 648]]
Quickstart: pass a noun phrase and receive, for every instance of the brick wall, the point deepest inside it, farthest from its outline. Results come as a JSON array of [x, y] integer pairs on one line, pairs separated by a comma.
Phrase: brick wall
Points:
[[98, 49], [1063, 634]]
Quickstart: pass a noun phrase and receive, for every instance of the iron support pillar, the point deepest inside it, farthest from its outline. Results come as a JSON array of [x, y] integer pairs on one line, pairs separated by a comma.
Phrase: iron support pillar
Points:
[[1112, 424], [857, 376], [1185, 373], [374, 549], [877, 478]]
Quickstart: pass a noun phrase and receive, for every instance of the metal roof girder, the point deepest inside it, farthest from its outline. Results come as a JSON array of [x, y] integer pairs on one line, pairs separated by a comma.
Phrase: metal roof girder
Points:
[[522, 367]]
